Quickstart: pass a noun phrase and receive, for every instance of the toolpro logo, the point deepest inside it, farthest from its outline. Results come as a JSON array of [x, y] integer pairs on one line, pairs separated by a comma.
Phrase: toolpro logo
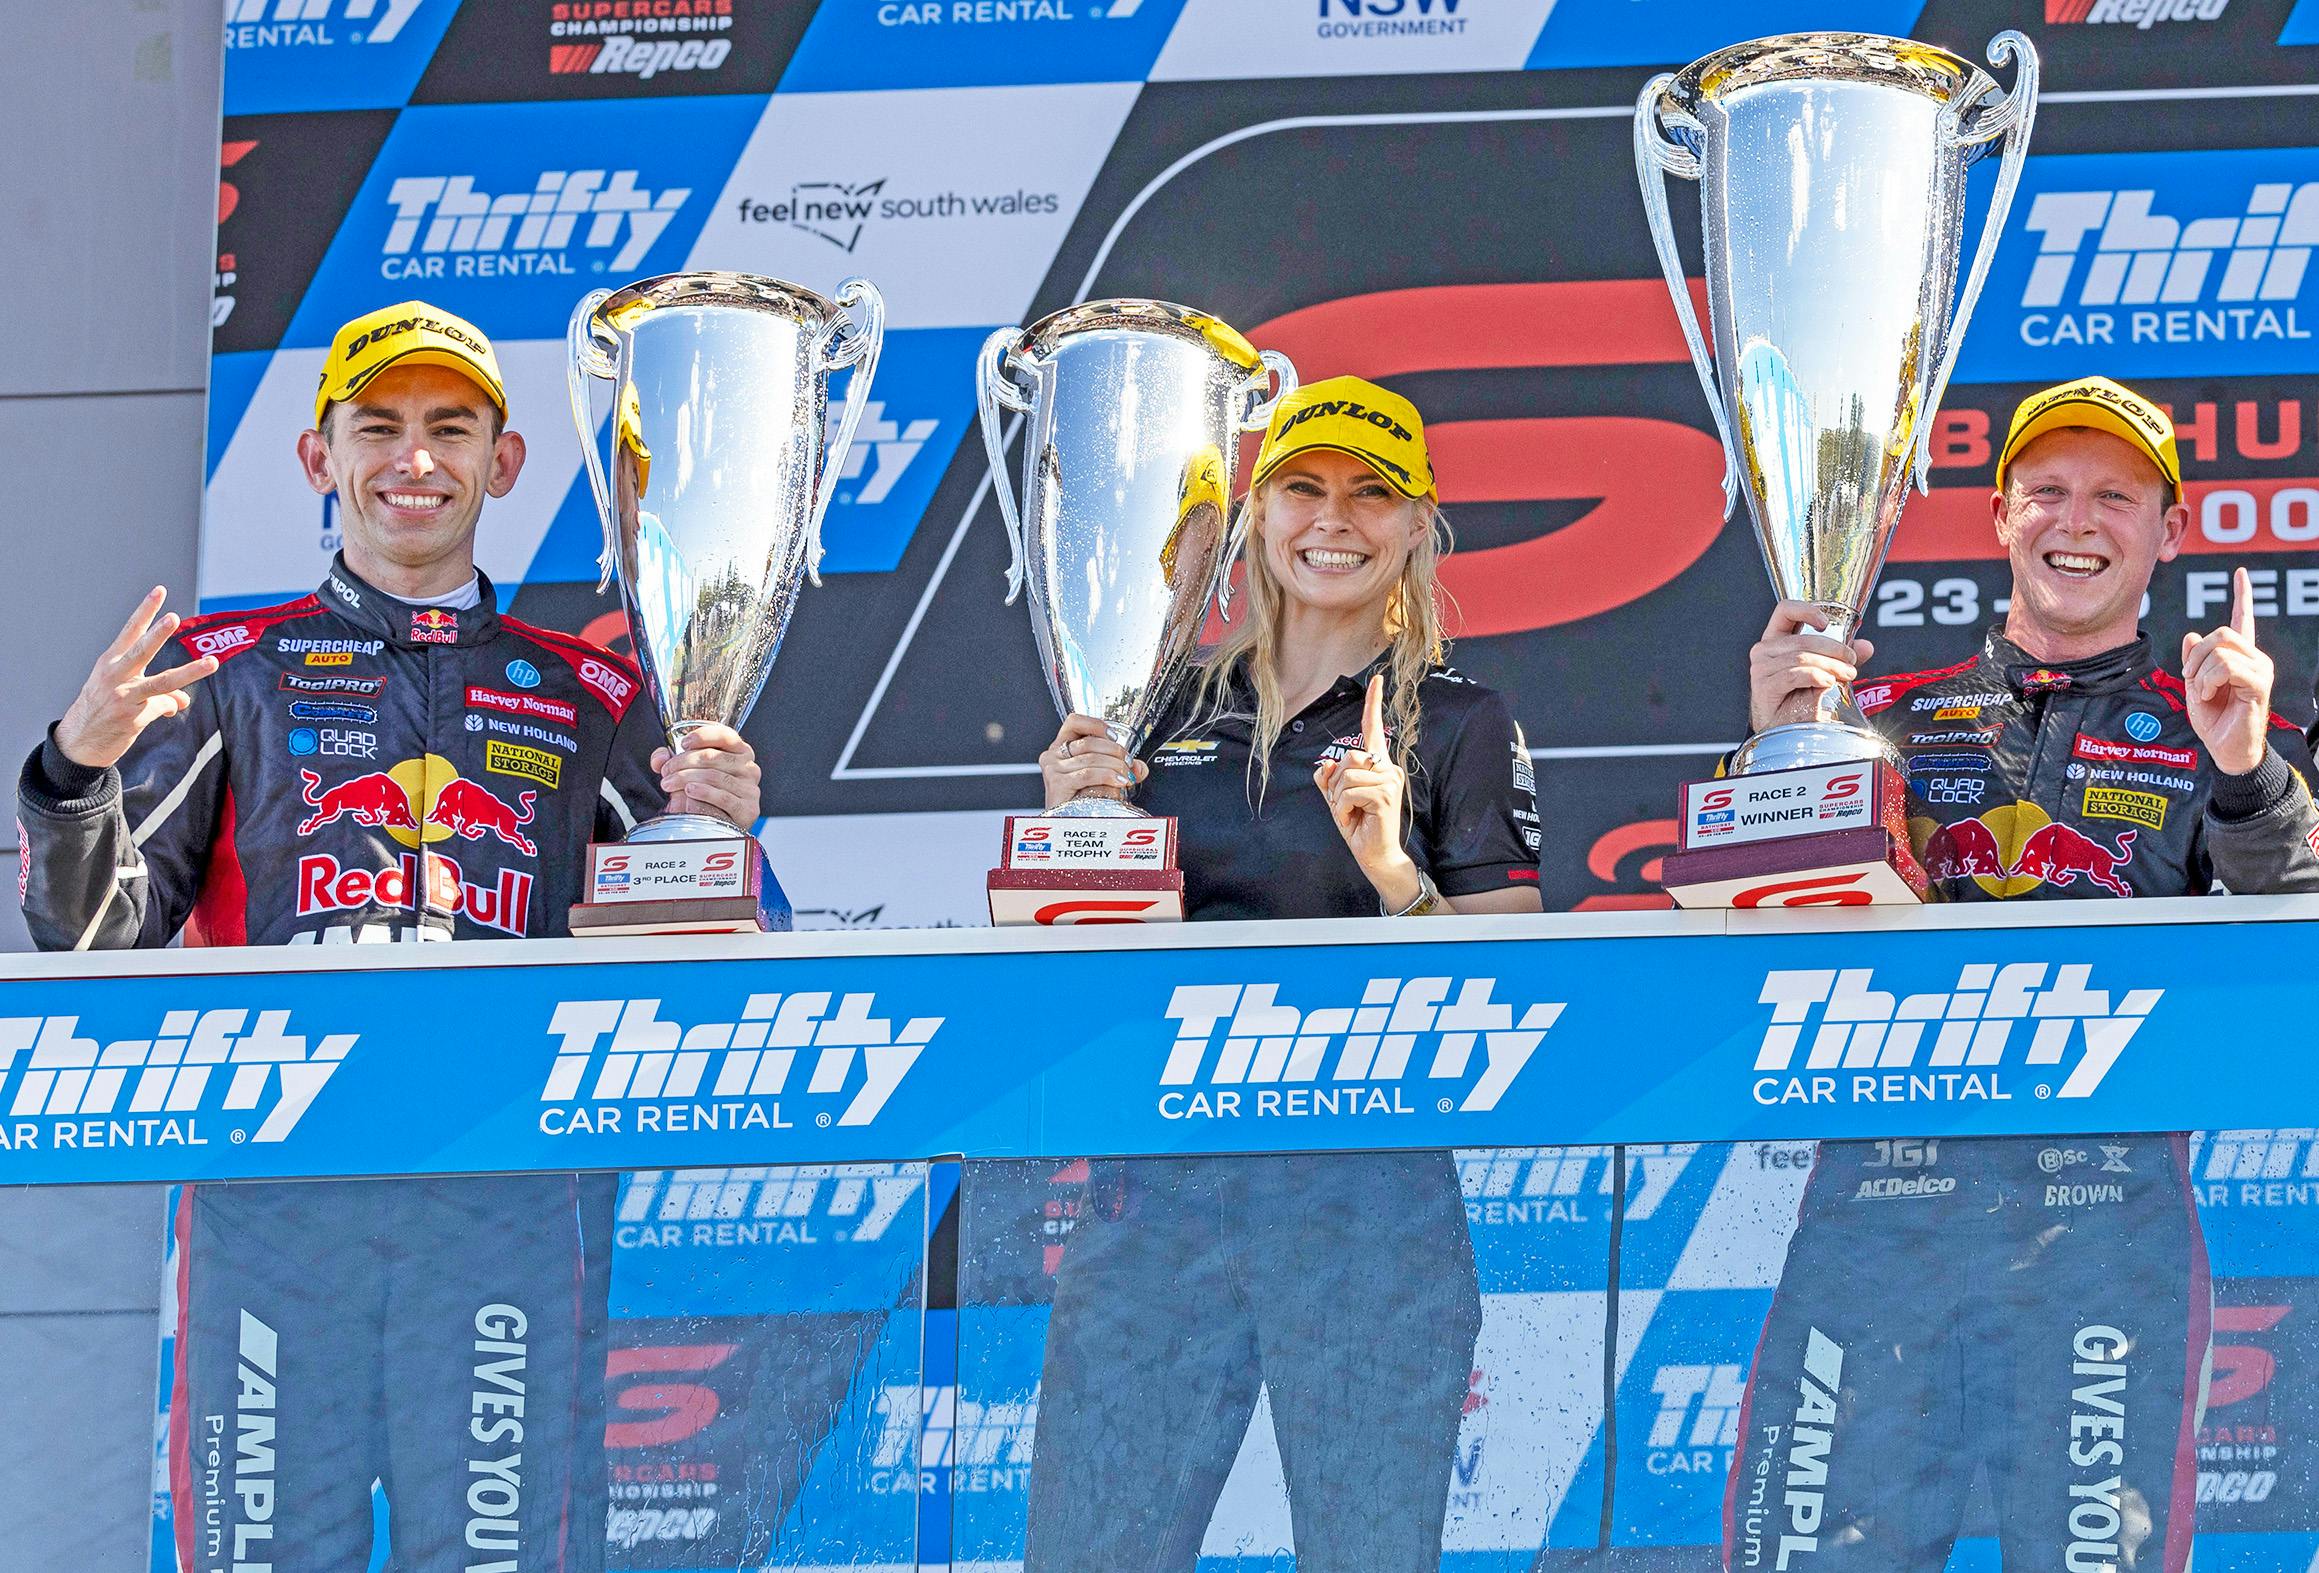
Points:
[[2147, 256], [620, 1067], [1834, 1038], [1240, 1051], [444, 227], [259, 24], [742, 1208], [166, 1088]]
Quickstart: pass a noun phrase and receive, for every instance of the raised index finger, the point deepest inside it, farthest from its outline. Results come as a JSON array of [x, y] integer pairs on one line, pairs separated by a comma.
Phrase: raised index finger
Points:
[[1373, 718], [2242, 604]]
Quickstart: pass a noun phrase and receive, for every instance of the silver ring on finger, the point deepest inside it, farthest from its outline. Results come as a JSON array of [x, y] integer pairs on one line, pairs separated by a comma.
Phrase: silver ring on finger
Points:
[[1069, 743]]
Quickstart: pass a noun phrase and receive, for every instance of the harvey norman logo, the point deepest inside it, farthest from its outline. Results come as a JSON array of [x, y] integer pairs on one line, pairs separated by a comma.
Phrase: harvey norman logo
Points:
[[619, 1067], [1239, 1051], [2115, 267], [444, 227], [180, 1087], [1860, 1044]]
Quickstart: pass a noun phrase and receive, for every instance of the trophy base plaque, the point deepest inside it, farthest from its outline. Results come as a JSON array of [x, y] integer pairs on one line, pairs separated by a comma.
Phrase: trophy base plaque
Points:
[[1826, 835], [681, 874], [1066, 868]]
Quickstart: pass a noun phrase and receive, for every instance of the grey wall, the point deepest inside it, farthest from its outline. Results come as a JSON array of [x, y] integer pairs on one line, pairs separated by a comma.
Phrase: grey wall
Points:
[[107, 232]]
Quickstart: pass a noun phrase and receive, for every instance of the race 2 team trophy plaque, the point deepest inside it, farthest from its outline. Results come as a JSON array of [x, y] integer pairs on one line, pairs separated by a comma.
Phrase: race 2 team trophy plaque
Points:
[[722, 467], [1134, 412], [1831, 169]]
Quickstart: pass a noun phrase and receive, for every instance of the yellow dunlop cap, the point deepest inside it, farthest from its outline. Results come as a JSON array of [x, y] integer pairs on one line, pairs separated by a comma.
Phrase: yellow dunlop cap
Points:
[[2102, 405], [1375, 425], [412, 333]]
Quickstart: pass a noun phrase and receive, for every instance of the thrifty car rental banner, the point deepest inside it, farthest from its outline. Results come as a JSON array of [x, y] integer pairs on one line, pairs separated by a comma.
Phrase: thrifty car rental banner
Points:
[[1436, 193]]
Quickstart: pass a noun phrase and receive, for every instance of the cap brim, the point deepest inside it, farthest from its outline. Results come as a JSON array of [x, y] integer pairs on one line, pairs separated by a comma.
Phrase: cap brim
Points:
[[2095, 416], [1386, 470], [423, 355]]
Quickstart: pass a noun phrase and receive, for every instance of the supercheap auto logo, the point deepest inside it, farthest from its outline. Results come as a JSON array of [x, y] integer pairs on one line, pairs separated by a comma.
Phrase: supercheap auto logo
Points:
[[1242, 1052], [2167, 264], [2026, 1027], [229, 1075], [621, 1068]]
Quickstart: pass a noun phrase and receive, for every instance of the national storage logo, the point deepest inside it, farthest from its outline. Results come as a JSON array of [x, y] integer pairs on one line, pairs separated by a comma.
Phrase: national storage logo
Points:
[[2022, 1029], [196, 1078], [803, 1058], [1443, 1045], [2156, 264]]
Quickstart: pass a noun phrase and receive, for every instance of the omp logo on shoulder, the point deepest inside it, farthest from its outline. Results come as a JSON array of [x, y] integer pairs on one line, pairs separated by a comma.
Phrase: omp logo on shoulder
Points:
[[256, 24], [1529, 1185], [1348, 1059], [68, 1091], [1940, 1048], [762, 1206], [443, 219], [616, 1060]]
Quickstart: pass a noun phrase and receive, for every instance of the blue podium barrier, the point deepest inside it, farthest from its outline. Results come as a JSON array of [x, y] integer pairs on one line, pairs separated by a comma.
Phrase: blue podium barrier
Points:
[[1223, 1038]]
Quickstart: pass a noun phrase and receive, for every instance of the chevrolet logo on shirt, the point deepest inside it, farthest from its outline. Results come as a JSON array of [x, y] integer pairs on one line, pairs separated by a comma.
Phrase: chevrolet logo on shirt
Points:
[[1185, 752]]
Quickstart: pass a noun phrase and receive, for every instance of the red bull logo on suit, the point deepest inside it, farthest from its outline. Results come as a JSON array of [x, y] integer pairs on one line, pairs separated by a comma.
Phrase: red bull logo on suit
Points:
[[420, 801], [2010, 851]]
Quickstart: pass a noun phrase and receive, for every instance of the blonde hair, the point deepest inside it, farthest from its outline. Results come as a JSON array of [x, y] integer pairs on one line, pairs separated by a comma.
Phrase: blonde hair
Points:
[[1413, 625]]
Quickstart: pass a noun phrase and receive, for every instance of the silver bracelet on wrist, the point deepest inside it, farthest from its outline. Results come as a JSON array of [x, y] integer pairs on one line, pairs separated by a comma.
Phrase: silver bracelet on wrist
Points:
[[1426, 902]]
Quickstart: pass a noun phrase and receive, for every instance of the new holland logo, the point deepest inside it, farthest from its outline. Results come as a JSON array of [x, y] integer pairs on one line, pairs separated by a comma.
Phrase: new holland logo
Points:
[[67, 1091], [1946, 1047], [617, 1061], [1355, 1059], [747, 1207], [444, 226]]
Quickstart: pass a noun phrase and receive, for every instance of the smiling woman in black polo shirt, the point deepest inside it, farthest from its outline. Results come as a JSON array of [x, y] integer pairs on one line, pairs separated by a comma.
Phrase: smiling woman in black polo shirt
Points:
[[1323, 763]]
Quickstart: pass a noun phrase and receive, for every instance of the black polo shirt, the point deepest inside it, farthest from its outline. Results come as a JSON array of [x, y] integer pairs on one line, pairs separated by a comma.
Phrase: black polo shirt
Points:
[[1473, 806]]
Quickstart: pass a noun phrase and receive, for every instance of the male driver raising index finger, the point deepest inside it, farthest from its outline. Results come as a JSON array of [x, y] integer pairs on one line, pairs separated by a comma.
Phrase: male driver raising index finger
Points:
[[1940, 1296]]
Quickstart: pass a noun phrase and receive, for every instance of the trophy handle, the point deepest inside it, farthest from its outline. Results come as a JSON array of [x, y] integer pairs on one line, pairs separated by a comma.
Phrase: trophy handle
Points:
[[2012, 117], [994, 393], [587, 357], [853, 339], [1656, 156], [1280, 371]]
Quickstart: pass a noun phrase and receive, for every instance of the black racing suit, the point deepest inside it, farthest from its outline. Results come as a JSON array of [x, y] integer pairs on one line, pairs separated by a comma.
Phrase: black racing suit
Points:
[[357, 770], [1342, 1284], [2036, 1307]]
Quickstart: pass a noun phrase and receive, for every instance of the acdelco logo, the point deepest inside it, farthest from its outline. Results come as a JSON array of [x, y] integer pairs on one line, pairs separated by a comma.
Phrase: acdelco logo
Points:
[[1966, 1036], [56, 1073], [522, 232], [1345, 1059], [617, 1059]]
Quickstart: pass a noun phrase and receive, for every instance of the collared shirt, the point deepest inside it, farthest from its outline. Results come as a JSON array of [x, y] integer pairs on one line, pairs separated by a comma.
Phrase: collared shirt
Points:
[[1473, 806]]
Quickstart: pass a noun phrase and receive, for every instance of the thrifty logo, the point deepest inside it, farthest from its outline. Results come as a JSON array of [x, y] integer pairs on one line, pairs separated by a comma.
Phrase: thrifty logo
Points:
[[736, 1207], [53, 1072]]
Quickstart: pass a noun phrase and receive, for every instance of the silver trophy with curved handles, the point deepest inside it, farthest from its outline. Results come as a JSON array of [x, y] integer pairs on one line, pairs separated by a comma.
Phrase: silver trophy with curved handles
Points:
[[1134, 411], [722, 468], [1831, 169]]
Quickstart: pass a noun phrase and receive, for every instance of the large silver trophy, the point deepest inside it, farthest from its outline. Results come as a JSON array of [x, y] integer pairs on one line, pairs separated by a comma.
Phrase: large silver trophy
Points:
[[723, 465], [1134, 411], [1831, 170]]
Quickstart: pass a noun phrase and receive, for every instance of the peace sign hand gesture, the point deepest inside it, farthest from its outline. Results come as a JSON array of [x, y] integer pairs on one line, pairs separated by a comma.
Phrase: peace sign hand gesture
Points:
[[1368, 796], [2228, 682], [120, 700]]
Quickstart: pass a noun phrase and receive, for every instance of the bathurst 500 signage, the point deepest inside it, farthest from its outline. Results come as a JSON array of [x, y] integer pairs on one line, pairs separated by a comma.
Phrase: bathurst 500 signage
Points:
[[502, 157], [1342, 1036]]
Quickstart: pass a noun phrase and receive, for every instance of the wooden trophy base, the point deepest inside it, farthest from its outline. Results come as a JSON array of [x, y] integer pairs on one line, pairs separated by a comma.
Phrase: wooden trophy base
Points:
[[1820, 836], [1063, 870], [712, 885]]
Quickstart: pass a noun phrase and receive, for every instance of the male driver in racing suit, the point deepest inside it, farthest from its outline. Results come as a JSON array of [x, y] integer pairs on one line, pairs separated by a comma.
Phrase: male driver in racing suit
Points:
[[2037, 1307], [388, 758]]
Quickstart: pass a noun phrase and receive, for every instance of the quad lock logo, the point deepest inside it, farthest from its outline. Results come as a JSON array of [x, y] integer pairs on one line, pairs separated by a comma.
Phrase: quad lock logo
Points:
[[1956, 1046], [1240, 1052], [444, 227], [620, 1068], [69, 1092]]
